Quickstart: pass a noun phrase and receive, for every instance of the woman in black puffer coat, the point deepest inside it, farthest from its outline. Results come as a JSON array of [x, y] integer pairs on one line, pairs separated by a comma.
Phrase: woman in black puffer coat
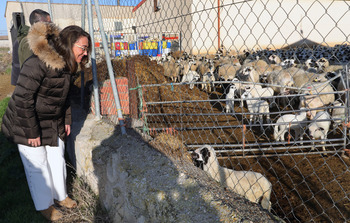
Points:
[[38, 116]]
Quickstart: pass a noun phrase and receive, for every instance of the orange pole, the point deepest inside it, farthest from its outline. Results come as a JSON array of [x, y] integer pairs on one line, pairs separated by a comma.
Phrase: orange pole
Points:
[[244, 131], [289, 136]]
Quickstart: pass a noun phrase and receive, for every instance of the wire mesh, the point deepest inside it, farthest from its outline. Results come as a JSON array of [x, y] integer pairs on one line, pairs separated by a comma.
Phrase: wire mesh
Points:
[[202, 72]]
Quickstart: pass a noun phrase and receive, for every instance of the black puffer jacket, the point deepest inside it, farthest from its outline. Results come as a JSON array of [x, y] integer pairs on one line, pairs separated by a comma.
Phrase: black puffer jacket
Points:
[[39, 105]]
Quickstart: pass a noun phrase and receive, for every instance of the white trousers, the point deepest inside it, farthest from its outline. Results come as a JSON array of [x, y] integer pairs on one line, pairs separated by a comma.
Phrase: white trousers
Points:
[[45, 169]]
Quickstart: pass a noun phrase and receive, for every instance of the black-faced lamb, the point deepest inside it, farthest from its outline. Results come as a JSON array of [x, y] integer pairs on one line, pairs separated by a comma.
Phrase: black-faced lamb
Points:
[[252, 185], [319, 127], [286, 122]]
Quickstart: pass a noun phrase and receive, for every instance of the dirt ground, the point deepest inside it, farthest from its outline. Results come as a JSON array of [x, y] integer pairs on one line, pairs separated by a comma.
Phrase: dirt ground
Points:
[[6, 88]]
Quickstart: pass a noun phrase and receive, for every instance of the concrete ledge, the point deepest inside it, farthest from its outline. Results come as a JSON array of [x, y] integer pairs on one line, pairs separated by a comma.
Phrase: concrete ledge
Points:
[[137, 183]]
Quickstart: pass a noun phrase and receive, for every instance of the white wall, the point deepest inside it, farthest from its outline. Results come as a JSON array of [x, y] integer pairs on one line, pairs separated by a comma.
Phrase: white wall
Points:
[[273, 23]]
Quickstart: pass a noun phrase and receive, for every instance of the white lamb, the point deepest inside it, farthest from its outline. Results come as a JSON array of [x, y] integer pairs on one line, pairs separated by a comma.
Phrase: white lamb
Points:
[[252, 185], [319, 127], [257, 108], [259, 92], [230, 98], [295, 122], [191, 77]]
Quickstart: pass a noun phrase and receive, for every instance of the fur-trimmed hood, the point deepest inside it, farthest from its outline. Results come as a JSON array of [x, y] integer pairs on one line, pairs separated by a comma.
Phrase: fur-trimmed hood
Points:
[[38, 43]]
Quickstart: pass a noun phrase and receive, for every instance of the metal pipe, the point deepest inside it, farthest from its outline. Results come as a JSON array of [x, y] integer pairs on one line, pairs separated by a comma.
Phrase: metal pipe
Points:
[[50, 10], [219, 24], [93, 62], [83, 14], [110, 68], [82, 87]]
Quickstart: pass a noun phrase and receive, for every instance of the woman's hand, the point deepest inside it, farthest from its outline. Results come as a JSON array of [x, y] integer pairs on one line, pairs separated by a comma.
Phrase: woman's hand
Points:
[[67, 128], [34, 142]]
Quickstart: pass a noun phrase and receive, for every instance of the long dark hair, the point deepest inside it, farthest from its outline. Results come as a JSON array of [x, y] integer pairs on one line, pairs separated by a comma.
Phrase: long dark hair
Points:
[[68, 36]]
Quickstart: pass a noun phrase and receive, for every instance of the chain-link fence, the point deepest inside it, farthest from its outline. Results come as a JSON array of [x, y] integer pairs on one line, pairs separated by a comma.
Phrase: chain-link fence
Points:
[[264, 83]]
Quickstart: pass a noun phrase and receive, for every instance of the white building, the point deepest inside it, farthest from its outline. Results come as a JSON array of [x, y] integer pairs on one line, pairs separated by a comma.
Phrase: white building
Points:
[[240, 25], [114, 17]]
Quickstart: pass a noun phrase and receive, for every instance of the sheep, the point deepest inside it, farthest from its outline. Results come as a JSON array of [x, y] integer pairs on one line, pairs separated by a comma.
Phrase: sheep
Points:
[[322, 63], [252, 185], [259, 92], [204, 66], [240, 89], [257, 108], [208, 80], [172, 70], [301, 78], [310, 66], [287, 63], [275, 59], [221, 60], [261, 66], [248, 73], [317, 96], [227, 71], [319, 127], [281, 81], [295, 122], [338, 115], [342, 86], [191, 77], [229, 98], [186, 65]]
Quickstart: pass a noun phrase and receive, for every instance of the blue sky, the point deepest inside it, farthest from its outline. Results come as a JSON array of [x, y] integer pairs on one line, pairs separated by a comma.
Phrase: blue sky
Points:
[[2, 16], [102, 2]]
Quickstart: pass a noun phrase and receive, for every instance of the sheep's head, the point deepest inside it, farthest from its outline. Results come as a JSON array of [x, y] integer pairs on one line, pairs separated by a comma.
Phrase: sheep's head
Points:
[[201, 156], [322, 63], [247, 71], [246, 94], [263, 77], [274, 59], [316, 131], [196, 77]]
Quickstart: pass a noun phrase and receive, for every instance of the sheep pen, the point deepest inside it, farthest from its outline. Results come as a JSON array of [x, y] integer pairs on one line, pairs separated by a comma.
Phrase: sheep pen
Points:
[[303, 183]]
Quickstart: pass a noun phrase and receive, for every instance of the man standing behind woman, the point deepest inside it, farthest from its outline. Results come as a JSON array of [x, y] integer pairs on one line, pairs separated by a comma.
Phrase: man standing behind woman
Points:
[[20, 49], [38, 116]]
